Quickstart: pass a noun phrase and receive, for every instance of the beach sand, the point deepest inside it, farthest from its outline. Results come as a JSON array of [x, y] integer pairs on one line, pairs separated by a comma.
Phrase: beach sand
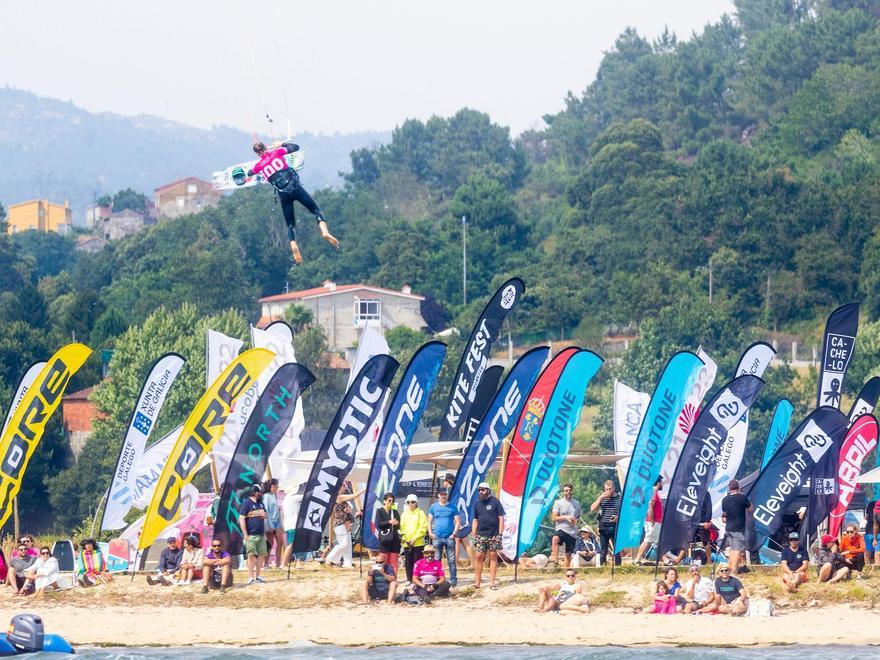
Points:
[[320, 606]]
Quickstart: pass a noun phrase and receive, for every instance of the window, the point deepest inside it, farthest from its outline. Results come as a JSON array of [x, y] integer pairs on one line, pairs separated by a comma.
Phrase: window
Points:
[[367, 310], [191, 188], [180, 202]]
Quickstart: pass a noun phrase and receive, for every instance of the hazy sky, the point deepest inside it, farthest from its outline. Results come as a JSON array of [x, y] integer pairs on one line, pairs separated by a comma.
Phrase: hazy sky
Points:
[[328, 65]]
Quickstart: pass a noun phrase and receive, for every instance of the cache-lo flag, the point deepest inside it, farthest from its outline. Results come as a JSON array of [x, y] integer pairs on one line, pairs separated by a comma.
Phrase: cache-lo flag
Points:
[[837, 350], [265, 428], [780, 482], [553, 445], [404, 414], [675, 384], [860, 440], [866, 401], [779, 428], [476, 357], [498, 421], [699, 461], [360, 406]]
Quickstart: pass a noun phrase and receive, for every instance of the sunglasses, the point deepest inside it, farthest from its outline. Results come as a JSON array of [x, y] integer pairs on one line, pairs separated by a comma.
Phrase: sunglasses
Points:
[[569, 575], [427, 554], [850, 531], [724, 570], [44, 552], [483, 490], [216, 545], [22, 549]]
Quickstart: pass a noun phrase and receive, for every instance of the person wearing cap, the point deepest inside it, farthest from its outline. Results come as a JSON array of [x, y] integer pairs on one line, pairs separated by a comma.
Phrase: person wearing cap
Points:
[[448, 483], [252, 520], [731, 596], [697, 593], [565, 514], [487, 527], [169, 563], [586, 549], [428, 579], [794, 561], [734, 507], [413, 529], [443, 523], [828, 560]]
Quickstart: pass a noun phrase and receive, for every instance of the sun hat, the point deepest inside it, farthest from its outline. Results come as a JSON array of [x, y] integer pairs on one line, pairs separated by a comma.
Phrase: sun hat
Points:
[[412, 498]]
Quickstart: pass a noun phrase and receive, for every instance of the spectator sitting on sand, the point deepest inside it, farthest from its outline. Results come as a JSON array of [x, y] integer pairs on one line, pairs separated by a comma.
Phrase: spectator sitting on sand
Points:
[[43, 573], [664, 602], [429, 581], [169, 562], [94, 568], [568, 599], [381, 582], [699, 592], [190, 562], [852, 551], [794, 562], [672, 582], [217, 568], [18, 567], [586, 549], [731, 596], [829, 561]]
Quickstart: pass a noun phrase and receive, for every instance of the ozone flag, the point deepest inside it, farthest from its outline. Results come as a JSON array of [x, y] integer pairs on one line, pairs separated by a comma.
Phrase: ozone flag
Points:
[[860, 440], [675, 384], [779, 429], [837, 350], [553, 444], [476, 357]]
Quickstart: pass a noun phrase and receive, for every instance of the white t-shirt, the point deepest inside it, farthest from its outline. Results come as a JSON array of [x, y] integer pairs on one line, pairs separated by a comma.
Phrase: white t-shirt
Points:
[[564, 507], [702, 590]]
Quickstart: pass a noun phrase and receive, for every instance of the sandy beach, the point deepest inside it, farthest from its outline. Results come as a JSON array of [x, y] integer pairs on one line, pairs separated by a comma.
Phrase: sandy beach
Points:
[[320, 606]]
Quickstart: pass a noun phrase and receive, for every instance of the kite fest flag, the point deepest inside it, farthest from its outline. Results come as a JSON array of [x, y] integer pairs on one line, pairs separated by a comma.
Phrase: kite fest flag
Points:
[[860, 440], [485, 393], [30, 375], [200, 431], [476, 356], [522, 444], [779, 483], [629, 411], [407, 407], [143, 418], [498, 421], [25, 429], [265, 428], [655, 434], [553, 445], [353, 420], [779, 428], [837, 350], [866, 401], [699, 460]]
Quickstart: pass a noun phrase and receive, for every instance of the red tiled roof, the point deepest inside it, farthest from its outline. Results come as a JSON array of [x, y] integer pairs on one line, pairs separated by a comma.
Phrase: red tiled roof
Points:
[[325, 291], [81, 395]]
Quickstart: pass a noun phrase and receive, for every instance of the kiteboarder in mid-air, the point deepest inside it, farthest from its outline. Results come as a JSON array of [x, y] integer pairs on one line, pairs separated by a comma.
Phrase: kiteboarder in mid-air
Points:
[[274, 168]]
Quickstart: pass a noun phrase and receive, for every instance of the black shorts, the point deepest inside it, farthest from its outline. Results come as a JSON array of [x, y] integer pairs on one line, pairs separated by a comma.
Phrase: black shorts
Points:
[[376, 593], [567, 539]]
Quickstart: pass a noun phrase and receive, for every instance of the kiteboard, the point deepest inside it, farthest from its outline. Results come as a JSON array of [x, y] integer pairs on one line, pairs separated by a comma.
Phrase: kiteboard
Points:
[[63, 552], [117, 554], [236, 176]]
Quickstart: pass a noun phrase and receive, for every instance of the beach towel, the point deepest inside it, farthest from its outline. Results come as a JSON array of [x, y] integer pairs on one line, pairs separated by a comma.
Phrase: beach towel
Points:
[[92, 563]]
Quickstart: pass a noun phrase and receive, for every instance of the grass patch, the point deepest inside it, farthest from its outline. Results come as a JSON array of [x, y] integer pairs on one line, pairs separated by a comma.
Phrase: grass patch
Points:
[[609, 598]]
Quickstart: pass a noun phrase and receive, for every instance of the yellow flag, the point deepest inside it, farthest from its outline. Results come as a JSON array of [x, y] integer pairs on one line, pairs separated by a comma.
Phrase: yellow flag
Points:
[[202, 429], [27, 425]]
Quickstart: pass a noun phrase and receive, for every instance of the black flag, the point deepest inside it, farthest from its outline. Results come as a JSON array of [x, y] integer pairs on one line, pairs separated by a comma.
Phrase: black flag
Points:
[[866, 401], [485, 393], [837, 350]]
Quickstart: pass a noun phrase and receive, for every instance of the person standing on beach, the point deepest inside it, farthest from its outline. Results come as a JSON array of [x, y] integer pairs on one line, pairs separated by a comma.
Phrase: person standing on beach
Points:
[[343, 521], [274, 528], [487, 528], [734, 507], [652, 523], [565, 515], [252, 520], [608, 506], [413, 529], [443, 523], [388, 531]]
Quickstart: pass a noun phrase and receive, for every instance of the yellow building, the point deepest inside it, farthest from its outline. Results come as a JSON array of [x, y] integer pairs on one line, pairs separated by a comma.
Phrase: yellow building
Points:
[[39, 214]]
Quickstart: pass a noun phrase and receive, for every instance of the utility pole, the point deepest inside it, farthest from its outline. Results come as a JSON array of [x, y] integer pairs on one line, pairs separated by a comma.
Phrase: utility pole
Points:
[[464, 258], [710, 280], [767, 297]]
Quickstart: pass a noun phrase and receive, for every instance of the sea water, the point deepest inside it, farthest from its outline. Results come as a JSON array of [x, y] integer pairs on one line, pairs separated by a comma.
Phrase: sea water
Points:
[[309, 651]]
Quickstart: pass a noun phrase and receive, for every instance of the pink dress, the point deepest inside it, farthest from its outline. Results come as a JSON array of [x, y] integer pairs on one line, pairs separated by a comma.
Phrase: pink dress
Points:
[[664, 604]]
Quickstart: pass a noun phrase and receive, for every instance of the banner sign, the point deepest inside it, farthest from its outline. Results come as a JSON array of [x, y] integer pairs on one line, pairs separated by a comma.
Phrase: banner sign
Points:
[[519, 455], [779, 428], [372, 343], [866, 401], [476, 357], [502, 414], [860, 440], [24, 384], [201, 430], [780, 482], [221, 350], [337, 455], [629, 408], [837, 350], [28, 423], [699, 461], [407, 407], [148, 470], [552, 447], [146, 411], [675, 384], [485, 393], [265, 428]]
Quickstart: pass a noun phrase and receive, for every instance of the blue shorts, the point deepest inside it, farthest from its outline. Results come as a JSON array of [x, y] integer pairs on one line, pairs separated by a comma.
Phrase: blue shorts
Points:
[[869, 542]]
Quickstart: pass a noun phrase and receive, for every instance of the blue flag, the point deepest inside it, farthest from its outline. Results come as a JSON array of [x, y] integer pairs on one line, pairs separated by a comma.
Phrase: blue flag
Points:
[[779, 428]]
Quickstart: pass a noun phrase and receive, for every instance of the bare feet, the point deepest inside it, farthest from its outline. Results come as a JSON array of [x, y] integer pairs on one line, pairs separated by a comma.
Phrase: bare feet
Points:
[[294, 248], [327, 236]]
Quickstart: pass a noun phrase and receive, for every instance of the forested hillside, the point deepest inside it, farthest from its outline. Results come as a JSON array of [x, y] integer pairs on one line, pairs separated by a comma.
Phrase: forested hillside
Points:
[[750, 148]]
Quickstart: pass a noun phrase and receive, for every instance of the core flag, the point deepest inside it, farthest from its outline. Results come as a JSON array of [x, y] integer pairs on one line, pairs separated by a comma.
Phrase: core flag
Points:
[[553, 445], [675, 384], [24, 384], [860, 440], [866, 401], [476, 356], [837, 350], [498, 421], [629, 412], [519, 455], [265, 428], [143, 418], [485, 393], [699, 461], [200, 431], [25, 429], [779, 483], [779, 428], [337, 455], [407, 407]]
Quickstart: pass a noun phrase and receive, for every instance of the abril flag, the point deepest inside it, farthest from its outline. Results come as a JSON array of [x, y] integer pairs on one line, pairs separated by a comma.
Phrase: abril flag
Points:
[[779, 428], [553, 445], [265, 428], [674, 386], [837, 350], [475, 358], [143, 417], [337, 455], [866, 401], [407, 407], [860, 440], [25, 429], [779, 483], [698, 464], [519, 455], [200, 431], [505, 409]]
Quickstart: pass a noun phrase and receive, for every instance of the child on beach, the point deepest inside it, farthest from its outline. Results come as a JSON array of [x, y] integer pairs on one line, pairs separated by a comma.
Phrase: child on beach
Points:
[[664, 602]]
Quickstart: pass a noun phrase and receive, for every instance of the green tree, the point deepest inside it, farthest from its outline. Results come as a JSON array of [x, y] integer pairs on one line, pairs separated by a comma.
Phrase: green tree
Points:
[[129, 199]]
